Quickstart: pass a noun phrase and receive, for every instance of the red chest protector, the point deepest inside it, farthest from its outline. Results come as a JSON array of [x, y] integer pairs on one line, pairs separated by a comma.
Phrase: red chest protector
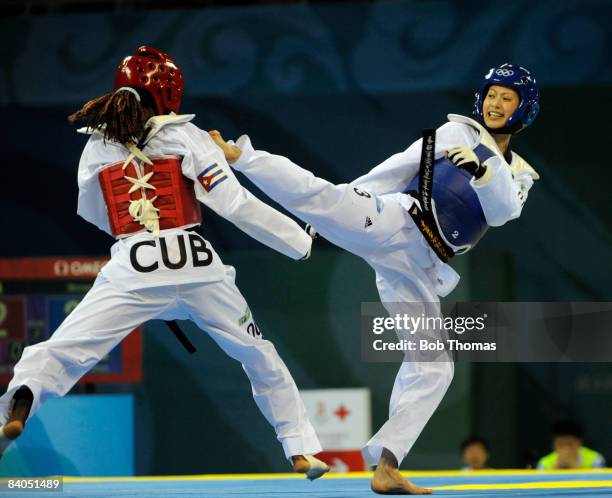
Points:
[[170, 192]]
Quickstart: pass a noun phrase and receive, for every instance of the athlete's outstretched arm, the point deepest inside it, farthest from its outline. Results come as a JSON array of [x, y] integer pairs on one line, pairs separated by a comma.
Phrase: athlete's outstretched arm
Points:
[[216, 186]]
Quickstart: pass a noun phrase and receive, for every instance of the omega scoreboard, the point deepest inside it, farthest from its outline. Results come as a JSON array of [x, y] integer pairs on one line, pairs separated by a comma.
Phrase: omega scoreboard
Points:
[[36, 294]]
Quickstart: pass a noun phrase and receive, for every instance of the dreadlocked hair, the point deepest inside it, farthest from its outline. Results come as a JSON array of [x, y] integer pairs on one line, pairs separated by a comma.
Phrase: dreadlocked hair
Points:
[[119, 116]]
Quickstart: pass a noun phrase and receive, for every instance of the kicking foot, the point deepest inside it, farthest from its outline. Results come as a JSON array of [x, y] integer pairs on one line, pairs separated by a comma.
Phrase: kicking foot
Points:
[[232, 152], [309, 465]]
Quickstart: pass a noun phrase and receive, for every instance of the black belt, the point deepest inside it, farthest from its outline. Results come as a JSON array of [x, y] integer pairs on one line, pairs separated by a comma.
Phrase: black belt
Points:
[[172, 325], [180, 335], [424, 217]]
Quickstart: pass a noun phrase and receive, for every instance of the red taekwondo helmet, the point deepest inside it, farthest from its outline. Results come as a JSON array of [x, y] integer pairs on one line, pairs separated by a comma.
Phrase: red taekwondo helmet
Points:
[[154, 71]]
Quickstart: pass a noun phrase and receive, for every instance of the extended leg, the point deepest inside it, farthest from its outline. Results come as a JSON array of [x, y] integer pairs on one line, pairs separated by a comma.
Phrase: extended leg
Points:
[[217, 309], [50, 368], [355, 220]]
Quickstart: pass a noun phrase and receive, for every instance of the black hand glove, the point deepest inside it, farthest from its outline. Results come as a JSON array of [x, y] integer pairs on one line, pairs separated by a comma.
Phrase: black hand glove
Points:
[[464, 157]]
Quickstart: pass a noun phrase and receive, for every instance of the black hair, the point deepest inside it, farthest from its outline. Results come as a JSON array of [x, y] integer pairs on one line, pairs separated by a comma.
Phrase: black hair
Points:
[[566, 428], [474, 439], [120, 116]]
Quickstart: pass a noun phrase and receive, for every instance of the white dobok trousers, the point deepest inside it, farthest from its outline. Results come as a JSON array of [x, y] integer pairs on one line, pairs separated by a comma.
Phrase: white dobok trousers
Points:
[[107, 315]]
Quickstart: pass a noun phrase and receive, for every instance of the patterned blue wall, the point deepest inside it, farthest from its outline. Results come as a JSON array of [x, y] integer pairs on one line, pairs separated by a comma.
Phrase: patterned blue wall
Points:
[[367, 49], [338, 88]]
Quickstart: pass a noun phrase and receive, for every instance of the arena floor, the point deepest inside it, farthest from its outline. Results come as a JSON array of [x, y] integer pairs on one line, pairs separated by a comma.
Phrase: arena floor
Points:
[[569, 484]]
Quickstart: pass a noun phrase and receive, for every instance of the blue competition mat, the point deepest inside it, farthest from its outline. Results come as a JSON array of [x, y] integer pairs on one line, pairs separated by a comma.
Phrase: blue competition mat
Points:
[[532, 484]]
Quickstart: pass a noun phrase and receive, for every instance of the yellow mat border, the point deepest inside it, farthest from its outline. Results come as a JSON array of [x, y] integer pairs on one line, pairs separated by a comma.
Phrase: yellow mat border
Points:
[[367, 475], [527, 485], [564, 484]]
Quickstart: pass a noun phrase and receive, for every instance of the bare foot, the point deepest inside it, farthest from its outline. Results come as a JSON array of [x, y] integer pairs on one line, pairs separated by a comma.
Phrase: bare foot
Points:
[[300, 464], [231, 152], [387, 479], [13, 429], [309, 465], [8, 433], [19, 411]]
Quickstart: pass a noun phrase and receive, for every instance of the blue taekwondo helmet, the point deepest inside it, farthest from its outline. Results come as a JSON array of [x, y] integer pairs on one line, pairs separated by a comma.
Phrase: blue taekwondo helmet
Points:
[[520, 80]]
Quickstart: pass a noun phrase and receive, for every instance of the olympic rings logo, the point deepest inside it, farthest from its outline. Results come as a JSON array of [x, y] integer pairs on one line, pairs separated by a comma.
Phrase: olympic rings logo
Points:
[[504, 72]]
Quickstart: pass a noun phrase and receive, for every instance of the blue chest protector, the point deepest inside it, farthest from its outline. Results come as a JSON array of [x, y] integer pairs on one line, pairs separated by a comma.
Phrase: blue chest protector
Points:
[[457, 208]]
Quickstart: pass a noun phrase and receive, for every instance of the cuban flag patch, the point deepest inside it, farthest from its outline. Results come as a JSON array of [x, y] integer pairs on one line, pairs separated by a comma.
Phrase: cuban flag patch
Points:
[[212, 176]]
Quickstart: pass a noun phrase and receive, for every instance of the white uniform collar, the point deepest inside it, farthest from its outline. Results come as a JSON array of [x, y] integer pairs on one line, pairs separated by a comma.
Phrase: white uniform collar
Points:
[[156, 123], [485, 137]]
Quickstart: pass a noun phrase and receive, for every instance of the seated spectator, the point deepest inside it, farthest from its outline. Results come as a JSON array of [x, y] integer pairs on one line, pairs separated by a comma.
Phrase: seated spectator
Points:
[[568, 450], [475, 453]]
